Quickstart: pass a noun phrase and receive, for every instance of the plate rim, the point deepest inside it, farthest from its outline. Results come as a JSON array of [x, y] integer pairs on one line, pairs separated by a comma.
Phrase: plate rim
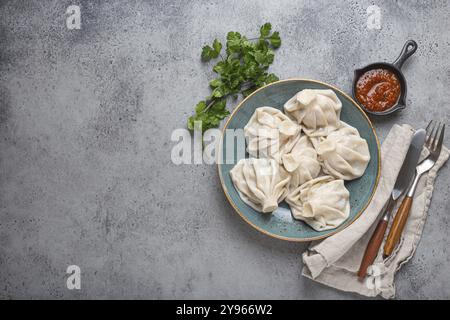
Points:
[[225, 189]]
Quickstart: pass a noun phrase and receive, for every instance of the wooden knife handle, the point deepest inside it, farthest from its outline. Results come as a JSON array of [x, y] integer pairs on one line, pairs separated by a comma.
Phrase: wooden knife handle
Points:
[[372, 248], [397, 226]]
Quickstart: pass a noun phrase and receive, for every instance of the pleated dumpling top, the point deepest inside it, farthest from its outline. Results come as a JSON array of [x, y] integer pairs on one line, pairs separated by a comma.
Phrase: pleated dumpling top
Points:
[[345, 155], [301, 162], [270, 133], [323, 203], [317, 111], [261, 183]]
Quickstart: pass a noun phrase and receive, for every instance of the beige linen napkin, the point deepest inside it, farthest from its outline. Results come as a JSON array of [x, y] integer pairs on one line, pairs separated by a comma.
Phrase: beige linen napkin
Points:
[[335, 260]]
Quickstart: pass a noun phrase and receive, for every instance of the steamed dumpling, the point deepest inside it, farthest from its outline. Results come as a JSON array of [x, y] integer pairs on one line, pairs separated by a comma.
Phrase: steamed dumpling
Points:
[[301, 162], [317, 111], [261, 183], [323, 203], [270, 133], [344, 153]]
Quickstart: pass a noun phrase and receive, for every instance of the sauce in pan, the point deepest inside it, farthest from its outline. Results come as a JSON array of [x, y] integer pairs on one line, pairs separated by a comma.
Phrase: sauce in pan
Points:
[[378, 89]]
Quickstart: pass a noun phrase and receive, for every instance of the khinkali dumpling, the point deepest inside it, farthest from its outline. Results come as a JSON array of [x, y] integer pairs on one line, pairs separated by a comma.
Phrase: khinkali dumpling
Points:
[[344, 153], [270, 133], [301, 162], [317, 111], [323, 203], [261, 183]]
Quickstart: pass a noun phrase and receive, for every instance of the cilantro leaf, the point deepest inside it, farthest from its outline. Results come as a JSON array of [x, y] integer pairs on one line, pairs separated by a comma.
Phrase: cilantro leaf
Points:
[[218, 92], [217, 46], [265, 30], [207, 53], [275, 40], [200, 107], [234, 40], [208, 116], [215, 83], [271, 78]]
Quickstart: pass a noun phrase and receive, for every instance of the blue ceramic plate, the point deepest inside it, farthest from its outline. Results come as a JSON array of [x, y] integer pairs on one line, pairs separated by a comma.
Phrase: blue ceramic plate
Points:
[[280, 224]]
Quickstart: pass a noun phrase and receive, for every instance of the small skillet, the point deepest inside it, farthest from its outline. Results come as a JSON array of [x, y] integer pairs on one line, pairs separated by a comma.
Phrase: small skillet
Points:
[[408, 50]]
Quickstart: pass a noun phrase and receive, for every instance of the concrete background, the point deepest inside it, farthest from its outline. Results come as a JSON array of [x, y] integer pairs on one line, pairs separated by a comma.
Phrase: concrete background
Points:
[[85, 123]]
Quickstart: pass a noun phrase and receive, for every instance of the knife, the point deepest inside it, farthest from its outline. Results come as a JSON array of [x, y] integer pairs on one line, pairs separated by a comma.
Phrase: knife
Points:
[[403, 181]]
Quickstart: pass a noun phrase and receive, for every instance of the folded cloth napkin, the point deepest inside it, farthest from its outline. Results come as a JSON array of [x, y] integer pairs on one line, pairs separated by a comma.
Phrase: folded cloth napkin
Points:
[[335, 261]]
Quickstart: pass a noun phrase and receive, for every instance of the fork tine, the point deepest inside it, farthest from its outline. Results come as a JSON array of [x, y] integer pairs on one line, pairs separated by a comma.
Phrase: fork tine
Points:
[[428, 126], [435, 138], [441, 140], [430, 132]]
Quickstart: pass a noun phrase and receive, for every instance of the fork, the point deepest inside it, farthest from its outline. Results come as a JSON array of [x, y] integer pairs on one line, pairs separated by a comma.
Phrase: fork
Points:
[[433, 144]]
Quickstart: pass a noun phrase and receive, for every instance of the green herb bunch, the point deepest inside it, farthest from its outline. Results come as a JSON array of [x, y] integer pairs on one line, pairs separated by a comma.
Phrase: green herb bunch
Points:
[[241, 70]]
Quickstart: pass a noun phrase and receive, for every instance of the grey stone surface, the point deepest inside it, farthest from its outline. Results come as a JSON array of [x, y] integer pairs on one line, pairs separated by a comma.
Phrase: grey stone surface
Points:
[[85, 123]]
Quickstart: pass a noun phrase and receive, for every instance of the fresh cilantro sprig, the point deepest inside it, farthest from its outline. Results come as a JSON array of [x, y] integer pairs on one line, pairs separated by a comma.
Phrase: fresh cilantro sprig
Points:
[[242, 69]]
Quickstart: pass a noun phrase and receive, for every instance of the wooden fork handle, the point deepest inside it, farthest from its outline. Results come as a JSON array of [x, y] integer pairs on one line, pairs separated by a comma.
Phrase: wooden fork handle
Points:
[[397, 226], [372, 248]]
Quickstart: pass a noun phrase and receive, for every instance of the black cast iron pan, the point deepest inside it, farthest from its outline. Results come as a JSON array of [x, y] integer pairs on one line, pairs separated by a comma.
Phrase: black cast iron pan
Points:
[[408, 50]]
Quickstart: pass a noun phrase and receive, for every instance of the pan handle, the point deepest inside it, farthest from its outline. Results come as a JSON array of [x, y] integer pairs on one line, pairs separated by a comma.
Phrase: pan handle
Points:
[[408, 50]]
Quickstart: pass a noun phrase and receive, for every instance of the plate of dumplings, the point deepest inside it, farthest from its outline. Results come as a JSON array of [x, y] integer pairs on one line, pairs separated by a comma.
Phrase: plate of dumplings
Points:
[[299, 160]]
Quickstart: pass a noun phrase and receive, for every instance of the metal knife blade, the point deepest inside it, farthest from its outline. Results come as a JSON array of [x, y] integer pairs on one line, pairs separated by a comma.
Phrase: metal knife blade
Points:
[[408, 168]]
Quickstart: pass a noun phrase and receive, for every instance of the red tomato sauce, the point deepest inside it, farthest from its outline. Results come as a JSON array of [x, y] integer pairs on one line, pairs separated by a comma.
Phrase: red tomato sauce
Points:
[[378, 89]]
